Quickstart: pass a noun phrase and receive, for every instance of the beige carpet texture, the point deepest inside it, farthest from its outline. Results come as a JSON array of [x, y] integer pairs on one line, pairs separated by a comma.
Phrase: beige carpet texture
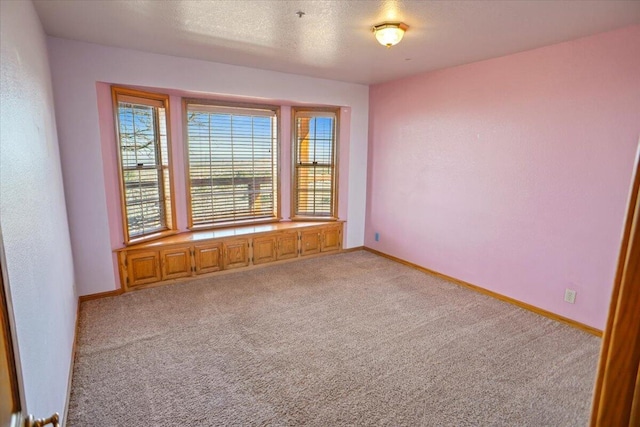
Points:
[[351, 339]]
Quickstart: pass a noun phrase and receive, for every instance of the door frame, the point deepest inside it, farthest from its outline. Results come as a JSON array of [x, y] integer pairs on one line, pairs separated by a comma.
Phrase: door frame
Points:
[[616, 398], [9, 332]]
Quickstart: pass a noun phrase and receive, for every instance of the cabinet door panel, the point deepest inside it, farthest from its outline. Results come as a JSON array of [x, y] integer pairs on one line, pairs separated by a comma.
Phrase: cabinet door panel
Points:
[[175, 263], [331, 239], [143, 267], [264, 249], [236, 253], [287, 245], [310, 242], [208, 258]]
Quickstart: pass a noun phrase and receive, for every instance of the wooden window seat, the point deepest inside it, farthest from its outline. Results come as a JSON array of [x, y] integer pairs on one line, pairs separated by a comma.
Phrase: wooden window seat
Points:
[[197, 253]]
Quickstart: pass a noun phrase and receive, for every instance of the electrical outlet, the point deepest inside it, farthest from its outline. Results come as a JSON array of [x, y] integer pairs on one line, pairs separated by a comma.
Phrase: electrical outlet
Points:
[[570, 296], [377, 237]]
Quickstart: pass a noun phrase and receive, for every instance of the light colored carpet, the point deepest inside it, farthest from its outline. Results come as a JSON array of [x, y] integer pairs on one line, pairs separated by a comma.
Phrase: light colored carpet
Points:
[[349, 339]]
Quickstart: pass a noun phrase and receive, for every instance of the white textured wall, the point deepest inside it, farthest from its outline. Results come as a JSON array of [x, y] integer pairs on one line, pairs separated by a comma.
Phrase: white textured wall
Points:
[[77, 66], [33, 217]]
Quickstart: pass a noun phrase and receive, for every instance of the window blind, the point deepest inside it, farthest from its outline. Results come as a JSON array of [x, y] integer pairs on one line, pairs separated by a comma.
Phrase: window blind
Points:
[[232, 156], [314, 180], [143, 149]]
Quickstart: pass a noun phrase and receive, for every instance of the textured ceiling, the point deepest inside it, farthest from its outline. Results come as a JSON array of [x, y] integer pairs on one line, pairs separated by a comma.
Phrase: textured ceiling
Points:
[[333, 39]]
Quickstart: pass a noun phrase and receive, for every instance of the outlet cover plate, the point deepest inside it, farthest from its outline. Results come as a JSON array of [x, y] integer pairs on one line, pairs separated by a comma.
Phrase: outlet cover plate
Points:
[[570, 296]]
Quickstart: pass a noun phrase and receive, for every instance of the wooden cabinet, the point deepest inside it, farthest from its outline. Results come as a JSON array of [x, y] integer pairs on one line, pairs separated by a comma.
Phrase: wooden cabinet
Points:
[[236, 253], [331, 239], [143, 267], [264, 249], [176, 263], [275, 248], [310, 242], [203, 252], [323, 239], [287, 244], [208, 258]]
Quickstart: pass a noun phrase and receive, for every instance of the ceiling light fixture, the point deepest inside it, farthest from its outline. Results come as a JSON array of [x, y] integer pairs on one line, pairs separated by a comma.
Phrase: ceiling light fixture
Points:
[[389, 33]]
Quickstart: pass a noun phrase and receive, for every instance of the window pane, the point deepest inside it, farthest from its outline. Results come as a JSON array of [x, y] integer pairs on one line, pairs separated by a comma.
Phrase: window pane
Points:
[[315, 168], [137, 135], [314, 189], [315, 138], [144, 160], [232, 164]]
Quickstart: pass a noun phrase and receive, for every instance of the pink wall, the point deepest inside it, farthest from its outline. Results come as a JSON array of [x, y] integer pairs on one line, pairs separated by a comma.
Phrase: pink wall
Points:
[[511, 173]]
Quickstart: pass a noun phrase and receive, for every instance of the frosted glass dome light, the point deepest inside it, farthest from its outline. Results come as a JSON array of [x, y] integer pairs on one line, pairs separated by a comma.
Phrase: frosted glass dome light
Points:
[[390, 33]]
